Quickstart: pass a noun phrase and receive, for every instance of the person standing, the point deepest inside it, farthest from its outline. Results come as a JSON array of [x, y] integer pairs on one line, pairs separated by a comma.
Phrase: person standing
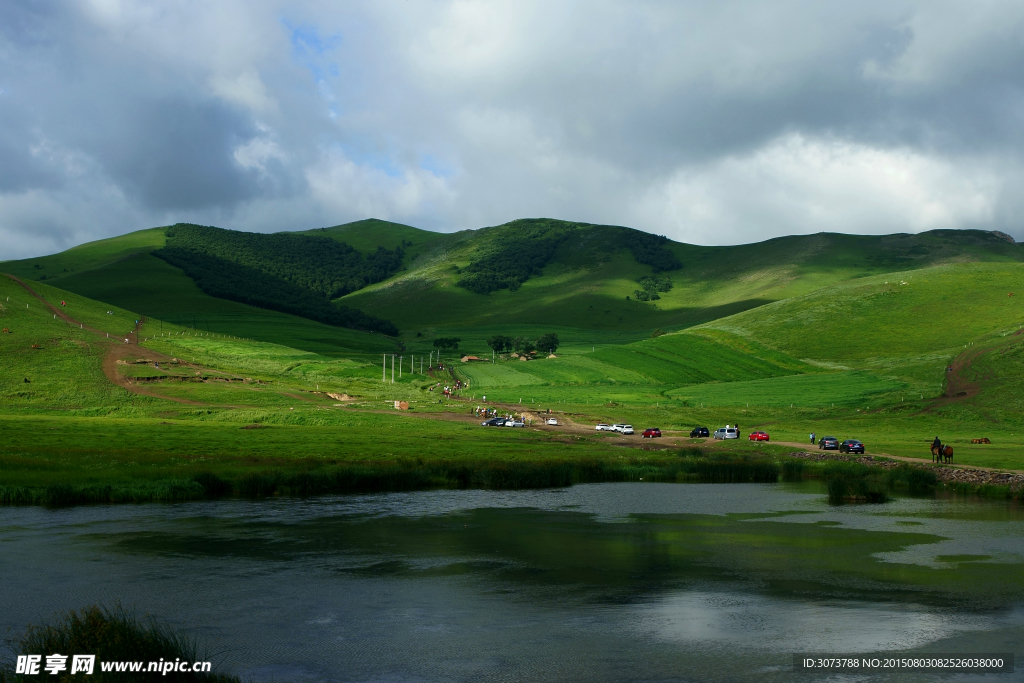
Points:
[[812, 438]]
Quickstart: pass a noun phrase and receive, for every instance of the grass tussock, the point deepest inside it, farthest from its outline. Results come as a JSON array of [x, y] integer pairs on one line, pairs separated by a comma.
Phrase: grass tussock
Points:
[[915, 480], [112, 635], [847, 482]]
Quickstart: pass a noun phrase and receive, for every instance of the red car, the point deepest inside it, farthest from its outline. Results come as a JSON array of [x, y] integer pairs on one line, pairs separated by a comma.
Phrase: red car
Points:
[[759, 436], [651, 433]]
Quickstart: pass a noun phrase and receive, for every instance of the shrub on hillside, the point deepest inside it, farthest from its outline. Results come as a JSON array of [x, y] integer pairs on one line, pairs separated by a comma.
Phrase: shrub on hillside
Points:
[[447, 343]]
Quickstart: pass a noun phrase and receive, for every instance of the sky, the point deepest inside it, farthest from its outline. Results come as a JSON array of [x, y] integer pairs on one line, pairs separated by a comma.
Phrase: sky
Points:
[[710, 122]]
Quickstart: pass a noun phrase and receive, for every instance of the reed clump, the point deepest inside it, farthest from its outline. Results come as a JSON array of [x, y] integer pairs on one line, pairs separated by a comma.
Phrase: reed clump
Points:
[[852, 482], [915, 480], [113, 635]]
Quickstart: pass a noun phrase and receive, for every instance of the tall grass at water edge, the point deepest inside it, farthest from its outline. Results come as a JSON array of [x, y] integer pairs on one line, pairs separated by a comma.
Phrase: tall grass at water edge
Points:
[[309, 478], [113, 635], [844, 481]]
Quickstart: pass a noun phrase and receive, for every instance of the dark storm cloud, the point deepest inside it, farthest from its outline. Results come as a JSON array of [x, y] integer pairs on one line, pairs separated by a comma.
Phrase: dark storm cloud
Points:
[[174, 154], [709, 122]]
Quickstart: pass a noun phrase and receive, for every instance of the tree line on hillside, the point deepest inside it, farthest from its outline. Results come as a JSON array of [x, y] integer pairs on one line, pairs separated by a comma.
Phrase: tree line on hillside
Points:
[[319, 264], [514, 257], [547, 343], [652, 250], [236, 282]]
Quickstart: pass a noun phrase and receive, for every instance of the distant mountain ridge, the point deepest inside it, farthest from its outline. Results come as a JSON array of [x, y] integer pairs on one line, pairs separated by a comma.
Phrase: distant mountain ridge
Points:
[[387, 277]]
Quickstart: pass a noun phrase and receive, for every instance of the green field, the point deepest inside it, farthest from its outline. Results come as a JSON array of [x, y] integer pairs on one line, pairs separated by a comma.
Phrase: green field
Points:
[[761, 335]]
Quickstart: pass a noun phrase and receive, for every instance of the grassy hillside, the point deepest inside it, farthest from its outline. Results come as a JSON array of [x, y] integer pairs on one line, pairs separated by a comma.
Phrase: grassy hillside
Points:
[[583, 283], [86, 257], [932, 311], [50, 365], [154, 288], [371, 234], [587, 279]]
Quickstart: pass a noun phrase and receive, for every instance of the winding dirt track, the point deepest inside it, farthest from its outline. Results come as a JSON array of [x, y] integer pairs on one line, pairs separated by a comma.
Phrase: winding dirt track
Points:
[[115, 351], [961, 380]]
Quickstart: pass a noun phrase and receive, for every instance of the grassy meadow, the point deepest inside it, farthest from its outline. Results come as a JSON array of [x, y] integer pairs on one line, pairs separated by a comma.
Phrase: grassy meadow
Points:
[[764, 336]]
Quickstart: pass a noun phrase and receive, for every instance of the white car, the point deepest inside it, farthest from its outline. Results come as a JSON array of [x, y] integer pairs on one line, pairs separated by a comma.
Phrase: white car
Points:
[[515, 423], [727, 433], [552, 421], [604, 428], [623, 428]]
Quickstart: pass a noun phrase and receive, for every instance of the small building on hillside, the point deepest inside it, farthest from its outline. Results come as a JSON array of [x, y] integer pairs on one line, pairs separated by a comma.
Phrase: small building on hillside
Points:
[[466, 359]]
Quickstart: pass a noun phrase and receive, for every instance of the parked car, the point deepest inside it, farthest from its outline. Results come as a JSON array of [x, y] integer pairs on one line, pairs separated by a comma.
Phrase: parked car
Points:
[[851, 446], [622, 428], [828, 443], [552, 421], [493, 422], [698, 432], [727, 433], [602, 427], [651, 433], [515, 423], [758, 436]]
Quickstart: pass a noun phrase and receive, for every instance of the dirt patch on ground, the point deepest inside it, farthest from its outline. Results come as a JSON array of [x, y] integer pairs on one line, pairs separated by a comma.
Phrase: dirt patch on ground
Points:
[[128, 352]]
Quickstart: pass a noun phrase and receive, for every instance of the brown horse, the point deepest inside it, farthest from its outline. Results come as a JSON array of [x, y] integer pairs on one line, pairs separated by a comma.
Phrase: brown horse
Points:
[[938, 453], [944, 452]]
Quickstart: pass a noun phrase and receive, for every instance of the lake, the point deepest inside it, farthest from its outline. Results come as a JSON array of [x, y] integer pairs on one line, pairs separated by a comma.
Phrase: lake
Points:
[[603, 582]]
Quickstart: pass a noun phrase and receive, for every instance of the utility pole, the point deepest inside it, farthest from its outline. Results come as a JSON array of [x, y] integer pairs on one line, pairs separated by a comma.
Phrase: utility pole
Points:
[[392, 368], [384, 370], [400, 367]]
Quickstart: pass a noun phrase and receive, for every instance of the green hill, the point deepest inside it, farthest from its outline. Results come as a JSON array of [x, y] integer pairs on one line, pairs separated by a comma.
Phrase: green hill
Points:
[[591, 278], [527, 272]]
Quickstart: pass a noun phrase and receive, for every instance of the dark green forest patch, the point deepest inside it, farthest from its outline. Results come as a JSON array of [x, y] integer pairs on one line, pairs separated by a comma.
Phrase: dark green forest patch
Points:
[[320, 264], [236, 282]]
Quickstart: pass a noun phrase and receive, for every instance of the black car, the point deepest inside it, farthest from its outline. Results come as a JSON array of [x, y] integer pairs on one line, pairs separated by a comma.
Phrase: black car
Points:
[[851, 446], [828, 443], [699, 432], [494, 422]]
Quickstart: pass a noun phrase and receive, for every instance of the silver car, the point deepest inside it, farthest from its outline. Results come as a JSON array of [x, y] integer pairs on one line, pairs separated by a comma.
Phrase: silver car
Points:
[[623, 428], [727, 433]]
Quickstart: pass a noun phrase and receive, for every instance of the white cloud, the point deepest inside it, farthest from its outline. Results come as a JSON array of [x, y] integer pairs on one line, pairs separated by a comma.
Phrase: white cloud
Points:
[[360, 190], [807, 185], [255, 153], [717, 122]]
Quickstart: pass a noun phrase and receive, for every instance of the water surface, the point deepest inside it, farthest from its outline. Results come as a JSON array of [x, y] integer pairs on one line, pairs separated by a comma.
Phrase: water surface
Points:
[[610, 582]]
